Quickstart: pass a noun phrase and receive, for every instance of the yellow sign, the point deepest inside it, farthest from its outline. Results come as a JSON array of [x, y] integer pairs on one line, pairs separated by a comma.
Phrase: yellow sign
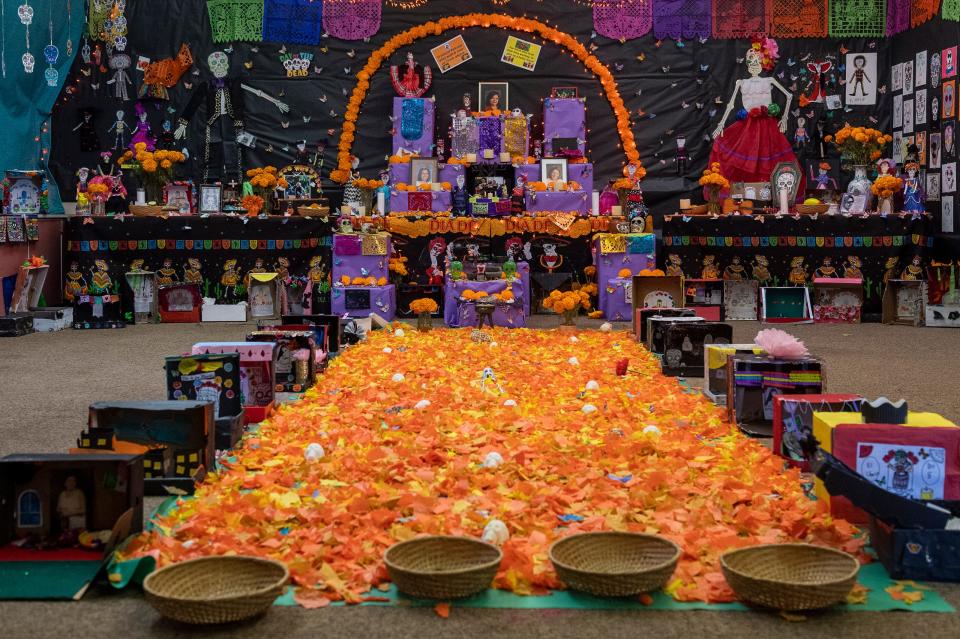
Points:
[[451, 53], [521, 53]]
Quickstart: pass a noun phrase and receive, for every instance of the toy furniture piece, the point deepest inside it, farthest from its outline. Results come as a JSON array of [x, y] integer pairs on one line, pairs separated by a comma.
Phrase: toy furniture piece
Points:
[[740, 300], [705, 298], [684, 344], [643, 314], [414, 121], [176, 439], [29, 287], [785, 305], [917, 459], [754, 380], [291, 375], [61, 516], [565, 127], [903, 302], [210, 378], [179, 303], [264, 295], [837, 300], [614, 252], [793, 421], [657, 326], [715, 368], [143, 284], [665, 291], [258, 361]]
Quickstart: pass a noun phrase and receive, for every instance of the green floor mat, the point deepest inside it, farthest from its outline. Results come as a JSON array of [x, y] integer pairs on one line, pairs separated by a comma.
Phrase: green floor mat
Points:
[[46, 579]]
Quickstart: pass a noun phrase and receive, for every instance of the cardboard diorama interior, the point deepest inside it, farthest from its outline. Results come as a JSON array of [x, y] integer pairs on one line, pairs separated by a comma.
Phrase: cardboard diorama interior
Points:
[[179, 303], [211, 312], [740, 300], [41, 556], [837, 300], [942, 315], [785, 305], [793, 421], [657, 330], [97, 312], [925, 554], [705, 298], [754, 380], [213, 378], [143, 285], [715, 368], [264, 295], [641, 315], [28, 288], [288, 342], [656, 291], [333, 324], [258, 361], [684, 346], [176, 439], [903, 302]]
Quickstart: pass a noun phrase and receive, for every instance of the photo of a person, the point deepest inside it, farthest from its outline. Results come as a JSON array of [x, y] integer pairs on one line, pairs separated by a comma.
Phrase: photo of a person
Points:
[[494, 97], [553, 171], [423, 170]]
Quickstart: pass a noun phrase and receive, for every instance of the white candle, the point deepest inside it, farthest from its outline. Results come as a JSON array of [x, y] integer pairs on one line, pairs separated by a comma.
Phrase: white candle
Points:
[[141, 197], [381, 202], [784, 202], [596, 203], [505, 157], [488, 154], [472, 158]]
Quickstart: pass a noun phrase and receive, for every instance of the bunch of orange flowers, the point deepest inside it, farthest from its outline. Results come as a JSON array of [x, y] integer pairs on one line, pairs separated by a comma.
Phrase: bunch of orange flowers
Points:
[[362, 281], [97, 191], [886, 186], [266, 178], [713, 178], [859, 145], [423, 305], [151, 161], [398, 265], [252, 204], [364, 183], [568, 301]]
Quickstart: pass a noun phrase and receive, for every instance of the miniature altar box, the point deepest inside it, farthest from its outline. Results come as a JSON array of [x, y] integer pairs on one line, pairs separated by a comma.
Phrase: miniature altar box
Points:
[[16, 324], [657, 330], [924, 554], [565, 127], [106, 499], [50, 319], [263, 295], [919, 459], [258, 361], [754, 380], [785, 305], [360, 255], [180, 434], [643, 314], [287, 377], [212, 378], [684, 345], [665, 291], [212, 312], [581, 173], [414, 121], [741, 300], [837, 300], [793, 421], [903, 302], [936, 315], [705, 298], [179, 303], [715, 368], [143, 286], [420, 201], [97, 311], [28, 288], [332, 335]]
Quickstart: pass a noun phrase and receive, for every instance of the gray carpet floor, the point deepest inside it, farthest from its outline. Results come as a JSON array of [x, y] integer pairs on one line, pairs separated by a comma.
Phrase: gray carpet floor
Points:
[[48, 380]]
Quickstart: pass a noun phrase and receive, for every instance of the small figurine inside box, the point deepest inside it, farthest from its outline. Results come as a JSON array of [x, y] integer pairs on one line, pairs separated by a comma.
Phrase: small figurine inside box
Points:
[[837, 300], [785, 305], [740, 300], [793, 421], [263, 294], [754, 380], [684, 344], [903, 302], [179, 303], [705, 297], [318, 333], [258, 361], [212, 378], [643, 314], [715, 368], [63, 515], [21, 195], [296, 358], [665, 291], [176, 439], [657, 330]]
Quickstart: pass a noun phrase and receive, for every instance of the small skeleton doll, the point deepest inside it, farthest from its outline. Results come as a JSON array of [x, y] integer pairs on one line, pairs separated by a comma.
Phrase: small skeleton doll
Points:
[[119, 128]]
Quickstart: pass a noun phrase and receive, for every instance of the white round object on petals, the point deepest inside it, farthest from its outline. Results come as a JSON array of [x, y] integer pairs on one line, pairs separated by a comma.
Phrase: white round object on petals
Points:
[[510, 402], [492, 460], [398, 377], [574, 339], [650, 429], [606, 327], [493, 344], [399, 332], [387, 349], [592, 385], [423, 403], [314, 452], [588, 408], [495, 532], [573, 361]]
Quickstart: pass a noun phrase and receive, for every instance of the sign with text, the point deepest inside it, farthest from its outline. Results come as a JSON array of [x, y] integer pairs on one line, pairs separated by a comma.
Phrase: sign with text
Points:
[[451, 53], [521, 53]]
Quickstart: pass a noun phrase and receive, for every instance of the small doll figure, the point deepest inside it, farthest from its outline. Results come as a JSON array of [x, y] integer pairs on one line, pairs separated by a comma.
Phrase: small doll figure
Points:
[[912, 191], [83, 176], [87, 131], [441, 150], [851, 269], [761, 269], [166, 274], [538, 150], [735, 270], [192, 273], [890, 269], [822, 179], [800, 136], [798, 272], [120, 62], [165, 140], [72, 510], [509, 269], [550, 260], [119, 128], [141, 132], [385, 190], [682, 157], [76, 284], [459, 196], [317, 273], [230, 279], [826, 269], [517, 202], [710, 271], [101, 283], [914, 270], [886, 166], [674, 265], [301, 155]]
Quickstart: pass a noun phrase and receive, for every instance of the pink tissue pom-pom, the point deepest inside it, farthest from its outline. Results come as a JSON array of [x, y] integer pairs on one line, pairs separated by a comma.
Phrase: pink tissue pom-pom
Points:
[[780, 344]]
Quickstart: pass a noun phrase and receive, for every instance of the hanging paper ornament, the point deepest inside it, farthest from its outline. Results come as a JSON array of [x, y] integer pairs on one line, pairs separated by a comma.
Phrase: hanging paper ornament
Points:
[[351, 19], [51, 53], [28, 62], [622, 19], [25, 13], [688, 19]]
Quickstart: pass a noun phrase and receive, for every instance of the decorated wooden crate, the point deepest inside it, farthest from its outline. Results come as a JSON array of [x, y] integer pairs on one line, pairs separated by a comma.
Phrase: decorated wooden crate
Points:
[[97, 311], [643, 314], [28, 288], [903, 302], [258, 361], [793, 421], [684, 345], [754, 380]]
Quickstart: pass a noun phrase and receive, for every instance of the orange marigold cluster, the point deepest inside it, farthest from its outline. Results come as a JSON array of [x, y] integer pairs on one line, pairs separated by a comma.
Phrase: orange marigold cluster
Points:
[[423, 305], [886, 186], [859, 145], [713, 178], [266, 178], [560, 302], [398, 265]]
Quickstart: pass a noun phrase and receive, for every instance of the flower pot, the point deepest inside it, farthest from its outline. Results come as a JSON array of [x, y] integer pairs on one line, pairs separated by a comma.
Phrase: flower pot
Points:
[[860, 185], [424, 322], [569, 318]]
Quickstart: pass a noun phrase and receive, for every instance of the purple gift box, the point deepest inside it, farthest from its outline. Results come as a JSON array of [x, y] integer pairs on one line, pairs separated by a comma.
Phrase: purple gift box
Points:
[[440, 200], [354, 264], [456, 312], [360, 301], [582, 174], [568, 201], [563, 119], [422, 145]]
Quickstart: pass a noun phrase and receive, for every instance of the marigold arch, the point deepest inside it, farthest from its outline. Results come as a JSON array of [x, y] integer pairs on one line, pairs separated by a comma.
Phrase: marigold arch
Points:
[[485, 21]]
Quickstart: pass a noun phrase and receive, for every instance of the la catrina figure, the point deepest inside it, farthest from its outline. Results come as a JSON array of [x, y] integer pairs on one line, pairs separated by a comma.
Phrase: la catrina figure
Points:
[[76, 284], [230, 281]]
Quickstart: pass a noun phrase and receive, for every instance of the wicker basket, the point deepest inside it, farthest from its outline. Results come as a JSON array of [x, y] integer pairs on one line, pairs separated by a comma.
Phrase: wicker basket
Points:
[[790, 576], [216, 589], [698, 209], [614, 564], [811, 209], [146, 210], [313, 211], [440, 567]]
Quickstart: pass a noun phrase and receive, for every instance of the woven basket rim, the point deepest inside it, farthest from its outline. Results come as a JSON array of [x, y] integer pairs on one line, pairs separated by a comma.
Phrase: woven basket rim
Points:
[[677, 551], [458, 571], [724, 563], [248, 558]]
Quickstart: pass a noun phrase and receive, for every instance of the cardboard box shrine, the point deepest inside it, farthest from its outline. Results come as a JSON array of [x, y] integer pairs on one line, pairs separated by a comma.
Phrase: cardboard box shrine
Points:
[[213, 378], [793, 421], [754, 380], [683, 349], [657, 327], [715, 368], [286, 377], [258, 365]]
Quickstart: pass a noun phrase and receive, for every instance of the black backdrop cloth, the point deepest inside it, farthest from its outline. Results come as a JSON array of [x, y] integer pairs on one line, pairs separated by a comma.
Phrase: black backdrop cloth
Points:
[[874, 240]]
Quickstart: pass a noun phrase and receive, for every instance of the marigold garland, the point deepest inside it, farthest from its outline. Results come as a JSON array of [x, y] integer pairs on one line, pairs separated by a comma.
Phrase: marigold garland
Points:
[[482, 20]]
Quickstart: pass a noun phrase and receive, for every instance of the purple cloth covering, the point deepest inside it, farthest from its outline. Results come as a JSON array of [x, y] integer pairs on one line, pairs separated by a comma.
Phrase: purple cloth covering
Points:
[[614, 304], [674, 19], [449, 173], [423, 146], [578, 201], [608, 265], [383, 302], [564, 118], [582, 174], [350, 265], [442, 201], [452, 303]]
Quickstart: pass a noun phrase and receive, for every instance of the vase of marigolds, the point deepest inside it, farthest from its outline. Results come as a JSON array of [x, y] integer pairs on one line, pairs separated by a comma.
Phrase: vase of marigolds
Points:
[[859, 147], [154, 169], [424, 308], [884, 187], [567, 305], [398, 269], [714, 182], [264, 183], [367, 190]]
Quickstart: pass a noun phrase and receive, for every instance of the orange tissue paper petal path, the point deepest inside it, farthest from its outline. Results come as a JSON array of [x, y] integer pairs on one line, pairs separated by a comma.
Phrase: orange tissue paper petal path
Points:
[[652, 457]]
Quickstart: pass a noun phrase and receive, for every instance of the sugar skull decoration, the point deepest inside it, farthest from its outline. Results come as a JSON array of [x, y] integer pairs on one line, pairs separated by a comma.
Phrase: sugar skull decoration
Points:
[[219, 64], [25, 13]]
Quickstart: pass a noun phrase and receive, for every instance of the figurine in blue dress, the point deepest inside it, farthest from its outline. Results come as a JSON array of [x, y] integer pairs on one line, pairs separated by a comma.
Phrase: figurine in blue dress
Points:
[[912, 191]]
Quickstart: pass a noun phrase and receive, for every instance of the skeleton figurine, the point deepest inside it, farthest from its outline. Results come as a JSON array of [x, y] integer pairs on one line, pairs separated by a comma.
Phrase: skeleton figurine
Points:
[[120, 128], [120, 62]]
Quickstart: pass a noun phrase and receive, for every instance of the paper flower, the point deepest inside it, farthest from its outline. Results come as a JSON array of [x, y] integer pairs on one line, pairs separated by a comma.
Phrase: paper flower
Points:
[[780, 344]]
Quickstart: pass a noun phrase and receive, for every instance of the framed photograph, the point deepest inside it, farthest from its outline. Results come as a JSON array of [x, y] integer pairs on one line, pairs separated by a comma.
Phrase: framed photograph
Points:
[[920, 139], [553, 170], [936, 150], [494, 96], [907, 79], [423, 171], [933, 187], [948, 183], [180, 195], [949, 131], [564, 92], [948, 105], [210, 197]]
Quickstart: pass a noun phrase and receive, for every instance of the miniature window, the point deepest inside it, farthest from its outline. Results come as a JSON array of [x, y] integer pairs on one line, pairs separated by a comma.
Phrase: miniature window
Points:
[[29, 513]]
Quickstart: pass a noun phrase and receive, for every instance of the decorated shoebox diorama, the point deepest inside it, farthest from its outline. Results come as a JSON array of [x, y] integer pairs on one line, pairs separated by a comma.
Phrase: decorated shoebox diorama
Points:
[[480, 206], [754, 380], [644, 314], [919, 459], [28, 288], [657, 326], [318, 334], [211, 378], [176, 439], [213, 312], [332, 336], [837, 300], [925, 554], [360, 274], [940, 315], [615, 254], [263, 295], [657, 292], [741, 300], [903, 302], [61, 516], [258, 361], [179, 303], [143, 290], [793, 421], [97, 311], [684, 345], [715, 368], [705, 298], [296, 368], [785, 305], [414, 121]]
